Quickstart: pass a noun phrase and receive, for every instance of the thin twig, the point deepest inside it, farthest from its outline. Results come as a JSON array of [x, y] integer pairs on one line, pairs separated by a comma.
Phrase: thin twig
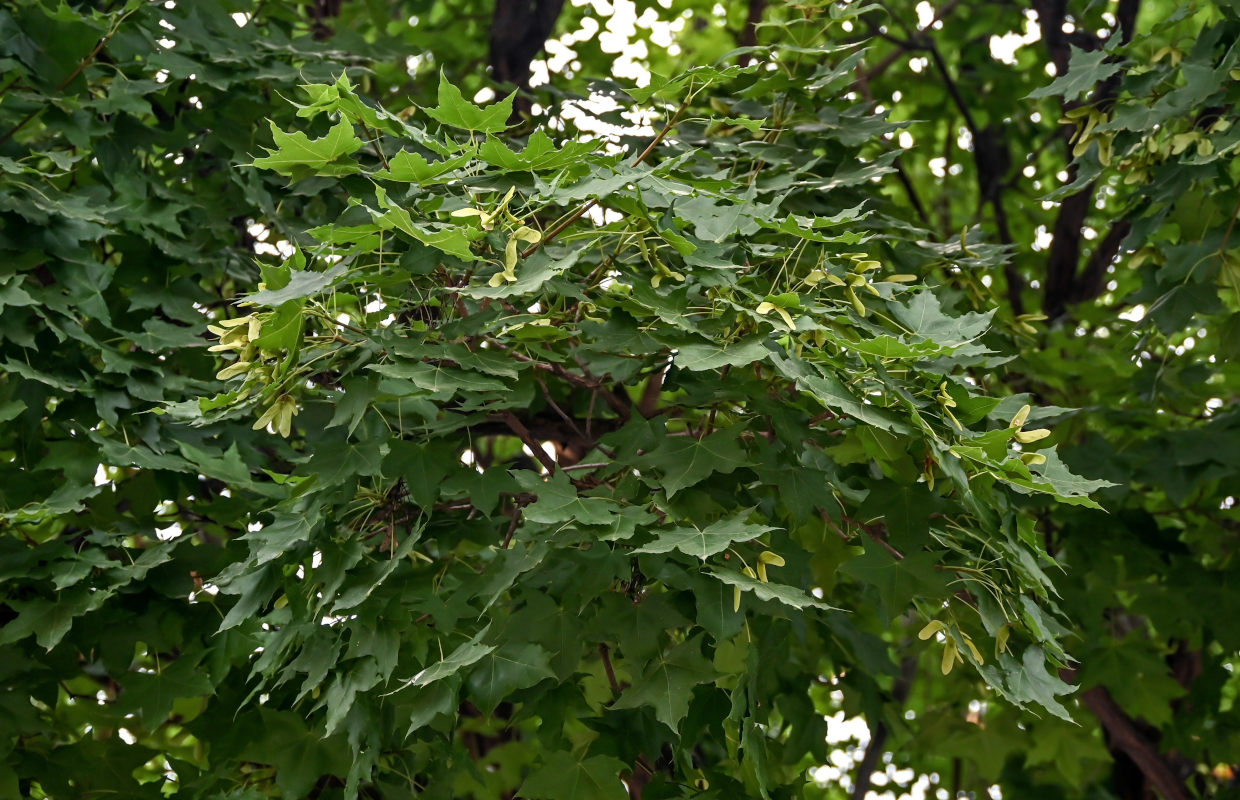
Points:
[[605, 654], [512, 526], [374, 143], [556, 407], [952, 89], [589, 204], [72, 76]]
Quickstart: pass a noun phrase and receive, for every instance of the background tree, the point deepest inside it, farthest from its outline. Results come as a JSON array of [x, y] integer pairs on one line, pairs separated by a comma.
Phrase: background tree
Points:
[[523, 462]]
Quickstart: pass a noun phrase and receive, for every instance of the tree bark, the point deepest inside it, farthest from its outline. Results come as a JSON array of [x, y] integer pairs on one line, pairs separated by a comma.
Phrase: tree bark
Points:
[[1124, 734], [519, 31], [1066, 281], [749, 34]]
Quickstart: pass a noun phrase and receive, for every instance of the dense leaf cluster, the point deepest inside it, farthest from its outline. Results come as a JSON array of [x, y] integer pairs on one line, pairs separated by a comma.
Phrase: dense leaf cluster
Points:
[[528, 463]]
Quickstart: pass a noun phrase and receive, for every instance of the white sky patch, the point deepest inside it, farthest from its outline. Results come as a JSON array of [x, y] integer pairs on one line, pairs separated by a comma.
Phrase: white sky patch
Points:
[[1003, 48], [171, 532], [925, 15], [1134, 314]]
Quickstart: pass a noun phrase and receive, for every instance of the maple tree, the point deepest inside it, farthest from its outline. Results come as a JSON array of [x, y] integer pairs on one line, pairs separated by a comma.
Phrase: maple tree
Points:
[[370, 431]]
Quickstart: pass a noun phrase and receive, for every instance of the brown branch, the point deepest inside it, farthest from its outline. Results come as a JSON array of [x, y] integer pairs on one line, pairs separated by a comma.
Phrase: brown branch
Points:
[[650, 395], [519, 32], [523, 433], [749, 35], [512, 526], [874, 750], [556, 407], [1125, 736], [1092, 280], [605, 653], [620, 406], [1063, 285], [875, 532], [1065, 251], [904, 48]]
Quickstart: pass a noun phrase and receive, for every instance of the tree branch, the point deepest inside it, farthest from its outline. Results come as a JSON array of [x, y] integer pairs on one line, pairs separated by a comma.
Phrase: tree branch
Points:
[[519, 31], [1125, 736], [878, 739], [1063, 284], [523, 433], [1092, 280], [749, 35]]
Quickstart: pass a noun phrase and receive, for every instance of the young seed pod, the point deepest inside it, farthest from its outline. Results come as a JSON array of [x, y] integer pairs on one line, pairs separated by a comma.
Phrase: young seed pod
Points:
[[950, 654], [973, 649], [232, 370], [772, 558], [1001, 639], [856, 302]]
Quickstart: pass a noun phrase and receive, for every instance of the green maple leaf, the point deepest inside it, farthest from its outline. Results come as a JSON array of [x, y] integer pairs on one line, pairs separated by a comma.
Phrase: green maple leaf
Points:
[[686, 461], [540, 153], [296, 152], [923, 316], [702, 357], [338, 461], [705, 542], [1053, 477], [300, 755], [898, 582], [406, 167], [454, 110], [711, 221], [667, 684], [452, 240], [559, 502], [532, 274], [469, 653], [764, 590], [153, 693], [1028, 681], [1085, 70], [440, 380], [50, 620], [504, 671], [302, 283], [563, 777]]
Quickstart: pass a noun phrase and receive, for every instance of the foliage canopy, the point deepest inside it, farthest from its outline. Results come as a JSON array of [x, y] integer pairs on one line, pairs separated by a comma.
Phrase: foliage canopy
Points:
[[370, 430]]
